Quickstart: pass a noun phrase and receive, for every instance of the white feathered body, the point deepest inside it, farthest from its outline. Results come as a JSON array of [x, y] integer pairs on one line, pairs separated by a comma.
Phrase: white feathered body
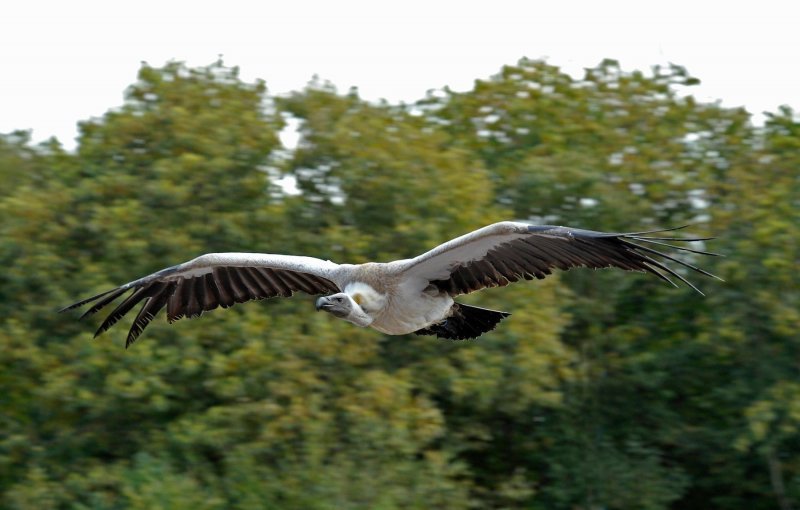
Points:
[[398, 306]]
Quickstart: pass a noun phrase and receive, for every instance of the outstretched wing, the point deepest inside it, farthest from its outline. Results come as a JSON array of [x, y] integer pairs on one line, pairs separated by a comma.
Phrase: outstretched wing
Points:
[[212, 280], [506, 252]]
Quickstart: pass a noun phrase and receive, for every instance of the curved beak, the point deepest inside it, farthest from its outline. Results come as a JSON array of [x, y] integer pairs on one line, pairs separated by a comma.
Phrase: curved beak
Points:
[[322, 302]]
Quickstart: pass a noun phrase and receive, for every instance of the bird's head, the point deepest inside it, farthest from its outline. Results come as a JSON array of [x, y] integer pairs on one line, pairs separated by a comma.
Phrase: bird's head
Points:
[[343, 306]]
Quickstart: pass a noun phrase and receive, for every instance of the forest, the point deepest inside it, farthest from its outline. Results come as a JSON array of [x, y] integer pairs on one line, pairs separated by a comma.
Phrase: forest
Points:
[[603, 390]]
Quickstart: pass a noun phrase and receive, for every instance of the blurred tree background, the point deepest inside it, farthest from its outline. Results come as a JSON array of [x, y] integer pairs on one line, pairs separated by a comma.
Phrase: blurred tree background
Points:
[[602, 391]]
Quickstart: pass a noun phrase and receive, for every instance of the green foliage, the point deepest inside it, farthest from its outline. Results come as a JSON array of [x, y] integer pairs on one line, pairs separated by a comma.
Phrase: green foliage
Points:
[[603, 390]]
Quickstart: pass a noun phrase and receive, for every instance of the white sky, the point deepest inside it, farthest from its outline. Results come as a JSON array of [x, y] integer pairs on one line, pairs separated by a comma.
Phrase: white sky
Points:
[[65, 61]]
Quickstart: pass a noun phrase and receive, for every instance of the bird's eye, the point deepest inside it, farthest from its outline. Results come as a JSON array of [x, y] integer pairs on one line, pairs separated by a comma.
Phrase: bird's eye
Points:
[[339, 299]]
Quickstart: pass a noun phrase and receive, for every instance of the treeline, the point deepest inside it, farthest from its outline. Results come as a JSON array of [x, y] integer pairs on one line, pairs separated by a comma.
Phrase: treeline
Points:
[[603, 390]]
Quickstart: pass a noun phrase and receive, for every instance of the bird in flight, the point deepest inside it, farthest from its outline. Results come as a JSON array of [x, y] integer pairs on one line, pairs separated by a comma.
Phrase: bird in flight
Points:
[[400, 297]]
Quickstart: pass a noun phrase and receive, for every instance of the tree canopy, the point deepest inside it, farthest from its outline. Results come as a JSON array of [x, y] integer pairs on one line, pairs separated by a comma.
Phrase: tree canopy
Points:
[[603, 390]]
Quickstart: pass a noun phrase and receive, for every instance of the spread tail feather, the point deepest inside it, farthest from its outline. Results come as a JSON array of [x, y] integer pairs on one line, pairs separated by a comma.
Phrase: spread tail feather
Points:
[[465, 322]]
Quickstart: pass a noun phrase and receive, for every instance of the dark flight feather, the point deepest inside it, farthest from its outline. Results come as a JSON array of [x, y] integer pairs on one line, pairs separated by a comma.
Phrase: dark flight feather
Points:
[[191, 296], [547, 248]]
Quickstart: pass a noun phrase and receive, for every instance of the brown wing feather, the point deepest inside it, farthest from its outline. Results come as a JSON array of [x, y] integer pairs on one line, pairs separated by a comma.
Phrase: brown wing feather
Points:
[[190, 295], [534, 251]]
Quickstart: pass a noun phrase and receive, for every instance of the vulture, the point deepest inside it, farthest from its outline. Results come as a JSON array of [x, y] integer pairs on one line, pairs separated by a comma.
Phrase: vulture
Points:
[[400, 297]]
